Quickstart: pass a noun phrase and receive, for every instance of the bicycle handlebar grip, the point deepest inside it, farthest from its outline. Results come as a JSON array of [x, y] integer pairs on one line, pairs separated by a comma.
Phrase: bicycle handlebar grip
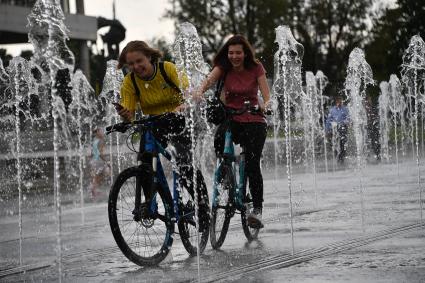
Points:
[[120, 127], [109, 129], [268, 112]]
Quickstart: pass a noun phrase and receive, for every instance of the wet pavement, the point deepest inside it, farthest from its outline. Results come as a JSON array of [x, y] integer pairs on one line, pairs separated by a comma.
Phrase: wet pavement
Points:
[[331, 244]]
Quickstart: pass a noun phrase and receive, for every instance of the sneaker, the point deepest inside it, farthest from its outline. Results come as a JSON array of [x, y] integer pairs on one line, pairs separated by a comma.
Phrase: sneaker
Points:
[[254, 219]]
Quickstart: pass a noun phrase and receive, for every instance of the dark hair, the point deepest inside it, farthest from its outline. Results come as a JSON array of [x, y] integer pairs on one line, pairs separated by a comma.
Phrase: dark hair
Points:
[[141, 46], [95, 130], [222, 60]]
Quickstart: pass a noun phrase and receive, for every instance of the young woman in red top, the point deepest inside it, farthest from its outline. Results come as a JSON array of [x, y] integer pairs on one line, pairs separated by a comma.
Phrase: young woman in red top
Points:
[[243, 75]]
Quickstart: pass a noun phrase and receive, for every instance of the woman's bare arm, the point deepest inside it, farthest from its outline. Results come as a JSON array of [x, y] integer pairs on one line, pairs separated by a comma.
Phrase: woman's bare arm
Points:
[[265, 91], [211, 79]]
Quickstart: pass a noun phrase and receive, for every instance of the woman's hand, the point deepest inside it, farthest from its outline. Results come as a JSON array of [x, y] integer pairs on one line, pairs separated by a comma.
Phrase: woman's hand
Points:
[[181, 108], [198, 95], [266, 107], [126, 114]]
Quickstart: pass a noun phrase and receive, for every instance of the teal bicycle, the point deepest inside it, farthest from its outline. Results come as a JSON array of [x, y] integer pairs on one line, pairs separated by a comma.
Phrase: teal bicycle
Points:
[[230, 196]]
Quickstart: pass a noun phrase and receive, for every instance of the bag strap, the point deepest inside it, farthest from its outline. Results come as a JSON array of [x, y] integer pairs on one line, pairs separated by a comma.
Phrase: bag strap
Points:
[[220, 85], [133, 79], [164, 75], [167, 79]]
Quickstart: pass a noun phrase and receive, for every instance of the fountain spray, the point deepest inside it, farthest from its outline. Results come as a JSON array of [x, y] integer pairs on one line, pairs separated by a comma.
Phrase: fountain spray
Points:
[[81, 107], [359, 77], [413, 68], [287, 89], [49, 34], [384, 129], [190, 65], [322, 81], [111, 93]]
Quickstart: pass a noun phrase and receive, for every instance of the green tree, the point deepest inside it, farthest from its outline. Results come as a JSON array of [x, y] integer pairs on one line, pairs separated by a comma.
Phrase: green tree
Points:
[[215, 20], [161, 44], [327, 29], [391, 36]]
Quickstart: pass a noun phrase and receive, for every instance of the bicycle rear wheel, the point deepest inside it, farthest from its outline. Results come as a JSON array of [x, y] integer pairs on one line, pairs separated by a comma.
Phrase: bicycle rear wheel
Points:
[[222, 208], [187, 222], [146, 241], [250, 233]]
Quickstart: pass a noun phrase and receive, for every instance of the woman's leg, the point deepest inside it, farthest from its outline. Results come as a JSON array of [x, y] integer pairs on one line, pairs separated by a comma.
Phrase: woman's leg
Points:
[[252, 137], [219, 139], [96, 180]]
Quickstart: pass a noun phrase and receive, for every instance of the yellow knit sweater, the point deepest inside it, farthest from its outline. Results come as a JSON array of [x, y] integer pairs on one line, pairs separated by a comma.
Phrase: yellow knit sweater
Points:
[[156, 96]]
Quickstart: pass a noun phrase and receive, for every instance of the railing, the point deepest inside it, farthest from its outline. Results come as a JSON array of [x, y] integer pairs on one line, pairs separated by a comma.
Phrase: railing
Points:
[[23, 3]]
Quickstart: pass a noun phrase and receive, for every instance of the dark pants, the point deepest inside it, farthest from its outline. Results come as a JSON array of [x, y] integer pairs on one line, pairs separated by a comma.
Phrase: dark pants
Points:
[[251, 137], [171, 129], [342, 132], [373, 136]]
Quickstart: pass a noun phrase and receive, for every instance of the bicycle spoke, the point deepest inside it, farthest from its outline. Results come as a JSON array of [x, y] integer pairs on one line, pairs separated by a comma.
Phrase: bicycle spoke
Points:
[[143, 241]]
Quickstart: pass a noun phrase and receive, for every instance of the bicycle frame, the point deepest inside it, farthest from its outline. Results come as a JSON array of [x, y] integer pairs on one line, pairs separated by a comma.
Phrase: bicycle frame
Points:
[[230, 158], [148, 144]]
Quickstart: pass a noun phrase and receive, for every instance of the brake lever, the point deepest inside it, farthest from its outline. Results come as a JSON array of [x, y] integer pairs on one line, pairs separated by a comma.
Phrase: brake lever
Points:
[[268, 112], [254, 109], [109, 128]]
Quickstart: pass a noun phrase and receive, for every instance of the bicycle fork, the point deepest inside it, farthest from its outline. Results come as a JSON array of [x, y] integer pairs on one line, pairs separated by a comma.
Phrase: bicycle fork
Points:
[[241, 185], [148, 186]]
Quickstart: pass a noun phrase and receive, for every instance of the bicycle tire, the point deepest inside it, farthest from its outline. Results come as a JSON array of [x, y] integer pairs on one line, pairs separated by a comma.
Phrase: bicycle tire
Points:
[[250, 233], [187, 222], [222, 206], [138, 245]]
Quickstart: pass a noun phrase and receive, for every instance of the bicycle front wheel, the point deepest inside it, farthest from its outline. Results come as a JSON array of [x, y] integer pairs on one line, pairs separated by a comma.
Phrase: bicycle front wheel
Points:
[[146, 239], [222, 208]]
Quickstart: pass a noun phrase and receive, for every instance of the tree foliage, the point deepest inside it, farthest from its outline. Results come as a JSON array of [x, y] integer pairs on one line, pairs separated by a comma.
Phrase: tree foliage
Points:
[[391, 36], [216, 20], [328, 29]]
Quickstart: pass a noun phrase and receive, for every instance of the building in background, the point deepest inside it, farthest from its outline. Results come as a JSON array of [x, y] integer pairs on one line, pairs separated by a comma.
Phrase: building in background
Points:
[[13, 26]]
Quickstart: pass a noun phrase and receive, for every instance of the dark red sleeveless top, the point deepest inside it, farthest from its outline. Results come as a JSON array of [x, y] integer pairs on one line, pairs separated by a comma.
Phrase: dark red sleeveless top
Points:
[[240, 86]]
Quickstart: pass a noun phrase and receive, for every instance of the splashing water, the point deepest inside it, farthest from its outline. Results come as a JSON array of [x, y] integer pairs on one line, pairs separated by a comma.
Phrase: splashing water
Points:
[[322, 81], [384, 129], [286, 90], [4, 77], [413, 68], [111, 93], [397, 106], [21, 86], [48, 34], [187, 51], [311, 121], [359, 77], [81, 107]]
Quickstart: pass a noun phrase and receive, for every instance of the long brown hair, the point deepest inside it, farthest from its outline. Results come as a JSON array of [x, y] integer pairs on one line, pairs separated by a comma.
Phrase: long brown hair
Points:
[[221, 58], [141, 46]]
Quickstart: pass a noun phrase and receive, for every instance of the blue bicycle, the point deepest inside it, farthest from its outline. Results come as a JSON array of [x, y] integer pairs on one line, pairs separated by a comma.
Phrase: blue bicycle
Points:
[[141, 210], [229, 196]]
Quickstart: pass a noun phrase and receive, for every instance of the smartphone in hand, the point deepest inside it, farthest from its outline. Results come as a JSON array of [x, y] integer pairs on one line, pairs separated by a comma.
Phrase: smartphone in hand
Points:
[[118, 106]]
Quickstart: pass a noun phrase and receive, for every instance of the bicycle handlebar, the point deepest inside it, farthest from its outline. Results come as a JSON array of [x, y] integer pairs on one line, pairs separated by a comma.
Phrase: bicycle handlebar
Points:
[[248, 108], [124, 126]]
